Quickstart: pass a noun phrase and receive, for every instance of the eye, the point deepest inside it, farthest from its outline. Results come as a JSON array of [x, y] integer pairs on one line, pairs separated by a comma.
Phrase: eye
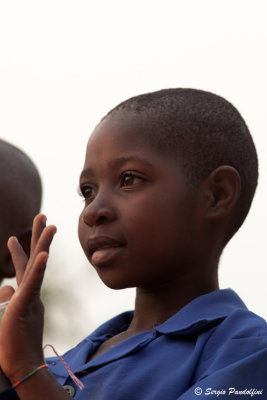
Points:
[[86, 191], [130, 179]]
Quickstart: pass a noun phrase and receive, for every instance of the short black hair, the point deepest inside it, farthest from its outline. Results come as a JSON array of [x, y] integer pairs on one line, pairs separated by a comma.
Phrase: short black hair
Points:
[[206, 130]]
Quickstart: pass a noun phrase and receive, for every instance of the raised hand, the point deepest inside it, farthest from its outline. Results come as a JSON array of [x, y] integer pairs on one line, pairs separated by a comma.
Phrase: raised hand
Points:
[[22, 322]]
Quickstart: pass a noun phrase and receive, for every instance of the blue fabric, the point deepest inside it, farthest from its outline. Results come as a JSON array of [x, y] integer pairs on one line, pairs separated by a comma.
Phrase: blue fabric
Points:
[[213, 345]]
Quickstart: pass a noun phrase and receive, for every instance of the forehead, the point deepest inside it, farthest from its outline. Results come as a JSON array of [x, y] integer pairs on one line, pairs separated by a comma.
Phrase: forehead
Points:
[[125, 133]]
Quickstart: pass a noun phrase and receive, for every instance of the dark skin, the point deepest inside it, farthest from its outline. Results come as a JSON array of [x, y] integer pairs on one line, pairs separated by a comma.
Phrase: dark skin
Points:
[[20, 201], [167, 249], [15, 221], [142, 225], [7, 268]]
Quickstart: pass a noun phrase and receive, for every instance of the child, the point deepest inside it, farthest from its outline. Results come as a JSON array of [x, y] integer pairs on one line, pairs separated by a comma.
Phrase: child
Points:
[[20, 201], [168, 179]]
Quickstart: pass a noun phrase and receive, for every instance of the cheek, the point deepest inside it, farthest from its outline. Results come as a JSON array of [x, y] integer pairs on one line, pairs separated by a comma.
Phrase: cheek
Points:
[[81, 231], [147, 228], [161, 227], [157, 215]]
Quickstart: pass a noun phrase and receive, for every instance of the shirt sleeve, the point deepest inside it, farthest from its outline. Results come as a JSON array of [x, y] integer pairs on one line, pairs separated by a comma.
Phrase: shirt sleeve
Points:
[[245, 379]]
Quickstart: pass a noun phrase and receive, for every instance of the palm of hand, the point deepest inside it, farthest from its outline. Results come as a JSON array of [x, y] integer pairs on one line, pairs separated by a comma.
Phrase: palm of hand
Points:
[[22, 322]]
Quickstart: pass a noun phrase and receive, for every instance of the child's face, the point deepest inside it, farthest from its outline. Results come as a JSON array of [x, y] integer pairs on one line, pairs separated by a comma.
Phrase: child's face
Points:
[[141, 218]]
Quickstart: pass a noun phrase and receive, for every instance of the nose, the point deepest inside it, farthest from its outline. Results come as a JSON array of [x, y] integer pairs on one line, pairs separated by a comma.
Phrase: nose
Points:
[[98, 212]]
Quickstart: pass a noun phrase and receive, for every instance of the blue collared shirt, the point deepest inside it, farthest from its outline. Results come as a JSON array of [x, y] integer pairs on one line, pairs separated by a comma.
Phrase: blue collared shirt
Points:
[[212, 344], [212, 348]]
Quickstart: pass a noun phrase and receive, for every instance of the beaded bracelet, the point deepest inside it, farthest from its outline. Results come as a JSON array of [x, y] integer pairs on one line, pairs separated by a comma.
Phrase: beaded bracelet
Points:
[[29, 375]]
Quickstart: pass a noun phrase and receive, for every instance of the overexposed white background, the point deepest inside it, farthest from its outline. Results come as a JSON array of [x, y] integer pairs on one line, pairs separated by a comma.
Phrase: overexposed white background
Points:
[[65, 63]]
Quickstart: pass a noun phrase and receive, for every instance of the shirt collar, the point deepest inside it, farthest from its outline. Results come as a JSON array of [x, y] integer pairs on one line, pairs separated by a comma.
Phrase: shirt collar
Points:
[[204, 311]]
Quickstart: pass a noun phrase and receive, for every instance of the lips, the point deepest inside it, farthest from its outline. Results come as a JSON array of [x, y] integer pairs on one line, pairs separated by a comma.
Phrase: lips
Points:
[[103, 248]]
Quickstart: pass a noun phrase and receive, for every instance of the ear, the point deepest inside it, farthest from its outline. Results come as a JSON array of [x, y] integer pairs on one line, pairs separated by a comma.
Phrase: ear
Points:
[[223, 191]]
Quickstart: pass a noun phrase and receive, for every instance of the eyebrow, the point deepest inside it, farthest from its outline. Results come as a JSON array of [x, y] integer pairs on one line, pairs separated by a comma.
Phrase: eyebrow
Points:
[[119, 162]]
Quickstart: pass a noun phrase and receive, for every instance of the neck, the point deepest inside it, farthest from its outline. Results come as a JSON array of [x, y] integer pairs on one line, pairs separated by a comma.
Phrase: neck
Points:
[[154, 306]]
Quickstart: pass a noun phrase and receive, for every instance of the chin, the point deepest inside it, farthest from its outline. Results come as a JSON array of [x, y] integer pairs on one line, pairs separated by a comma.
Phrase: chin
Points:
[[115, 284]]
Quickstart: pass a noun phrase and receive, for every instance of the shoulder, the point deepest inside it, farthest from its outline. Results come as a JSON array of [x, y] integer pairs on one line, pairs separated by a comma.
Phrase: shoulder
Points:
[[240, 324], [241, 339], [234, 358]]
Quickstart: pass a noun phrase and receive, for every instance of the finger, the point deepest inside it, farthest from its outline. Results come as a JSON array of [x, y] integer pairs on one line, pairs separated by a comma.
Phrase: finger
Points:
[[42, 245], [45, 240], [31, 286], [19, 257], [39, 223]]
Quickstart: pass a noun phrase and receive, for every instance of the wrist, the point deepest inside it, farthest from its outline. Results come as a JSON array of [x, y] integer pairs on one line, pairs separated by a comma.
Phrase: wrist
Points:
[[29, 375], [20, 371], [41, 386], [4, 381]]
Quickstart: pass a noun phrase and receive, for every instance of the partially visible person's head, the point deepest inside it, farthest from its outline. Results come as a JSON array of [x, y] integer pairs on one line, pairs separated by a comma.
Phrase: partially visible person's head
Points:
[[204, 130], [20, 201]]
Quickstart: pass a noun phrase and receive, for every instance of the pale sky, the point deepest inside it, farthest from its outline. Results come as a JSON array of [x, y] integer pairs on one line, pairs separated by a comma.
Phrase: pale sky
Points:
[[65, 63]]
